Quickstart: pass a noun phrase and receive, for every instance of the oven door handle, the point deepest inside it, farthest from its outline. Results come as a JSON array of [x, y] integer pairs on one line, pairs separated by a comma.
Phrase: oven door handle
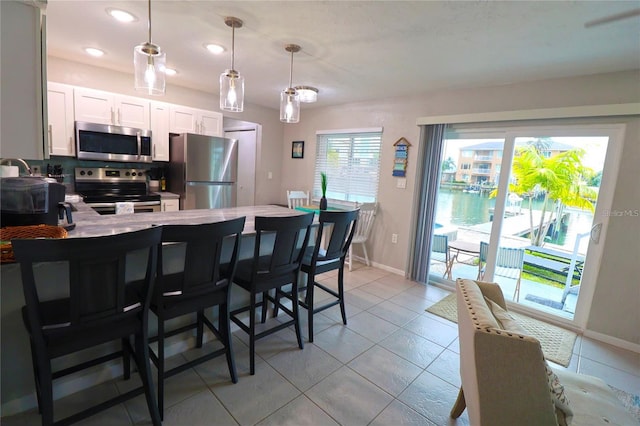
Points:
[[145, 203], [135, 204], [139, 139]]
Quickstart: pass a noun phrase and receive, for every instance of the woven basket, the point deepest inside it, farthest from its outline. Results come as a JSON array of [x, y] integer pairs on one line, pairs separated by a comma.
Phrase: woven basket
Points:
[[25, 232]]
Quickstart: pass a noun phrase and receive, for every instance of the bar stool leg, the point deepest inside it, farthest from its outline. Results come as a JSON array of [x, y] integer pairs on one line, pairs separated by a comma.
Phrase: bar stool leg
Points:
[[142, 358]]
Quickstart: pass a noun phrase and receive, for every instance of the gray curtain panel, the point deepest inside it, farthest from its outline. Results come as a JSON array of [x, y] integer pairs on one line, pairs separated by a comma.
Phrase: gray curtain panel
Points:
[[429, 157]]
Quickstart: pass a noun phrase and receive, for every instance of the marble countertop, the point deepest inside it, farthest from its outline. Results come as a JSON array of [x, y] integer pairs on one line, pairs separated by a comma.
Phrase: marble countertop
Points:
[[167, 195], [91, 224]]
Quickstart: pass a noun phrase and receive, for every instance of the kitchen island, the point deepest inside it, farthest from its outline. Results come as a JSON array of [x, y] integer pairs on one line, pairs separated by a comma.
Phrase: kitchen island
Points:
[[16, 381]]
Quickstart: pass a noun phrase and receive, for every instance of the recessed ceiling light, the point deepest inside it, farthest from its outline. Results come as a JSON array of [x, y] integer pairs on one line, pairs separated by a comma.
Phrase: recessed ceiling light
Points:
[[216, 49], [170, 71], [121, 15], [94, 52]]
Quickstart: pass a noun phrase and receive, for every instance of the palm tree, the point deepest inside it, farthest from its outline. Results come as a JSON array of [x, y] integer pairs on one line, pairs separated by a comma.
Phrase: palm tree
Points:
[[561, 179]]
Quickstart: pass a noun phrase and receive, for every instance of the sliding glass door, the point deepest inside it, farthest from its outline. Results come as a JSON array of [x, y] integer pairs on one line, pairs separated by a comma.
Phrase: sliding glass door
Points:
[[523, 207]]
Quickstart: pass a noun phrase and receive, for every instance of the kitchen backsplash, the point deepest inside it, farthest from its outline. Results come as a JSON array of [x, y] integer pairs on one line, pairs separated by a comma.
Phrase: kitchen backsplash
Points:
[[68, 164]]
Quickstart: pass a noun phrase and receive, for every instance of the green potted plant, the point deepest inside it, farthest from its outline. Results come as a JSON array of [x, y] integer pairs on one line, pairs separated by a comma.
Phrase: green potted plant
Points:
[[323, 186]]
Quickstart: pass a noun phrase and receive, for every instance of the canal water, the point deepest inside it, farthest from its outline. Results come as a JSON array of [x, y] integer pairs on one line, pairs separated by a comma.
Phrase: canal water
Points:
[[464, 209]]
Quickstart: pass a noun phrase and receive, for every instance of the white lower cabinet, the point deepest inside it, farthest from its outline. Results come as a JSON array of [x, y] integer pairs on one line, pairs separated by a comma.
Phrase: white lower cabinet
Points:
[[169, 205]]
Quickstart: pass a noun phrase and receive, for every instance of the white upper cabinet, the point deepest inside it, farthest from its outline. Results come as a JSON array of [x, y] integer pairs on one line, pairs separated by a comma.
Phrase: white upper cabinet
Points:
[[22, 132], [95, 106], [60, 137], [193, 120], [211, 123], [132, 112], [160, 130], [182, 120]]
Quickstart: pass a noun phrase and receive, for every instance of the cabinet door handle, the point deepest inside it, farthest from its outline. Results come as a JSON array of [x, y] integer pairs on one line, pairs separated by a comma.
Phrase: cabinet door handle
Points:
[[119, 117], [113, 116], [50, 139], [202, 128], [154, 151], [71, 144]]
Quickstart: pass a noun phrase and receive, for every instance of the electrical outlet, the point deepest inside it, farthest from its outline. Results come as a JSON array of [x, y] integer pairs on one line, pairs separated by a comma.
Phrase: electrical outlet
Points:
[[394, 238], [269, 175]]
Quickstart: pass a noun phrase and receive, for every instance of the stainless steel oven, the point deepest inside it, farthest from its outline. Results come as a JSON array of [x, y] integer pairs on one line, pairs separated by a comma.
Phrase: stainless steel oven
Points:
[[103, 187]]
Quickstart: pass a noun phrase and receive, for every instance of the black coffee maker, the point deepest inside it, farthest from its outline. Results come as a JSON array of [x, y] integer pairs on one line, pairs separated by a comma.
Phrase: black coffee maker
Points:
[[33, 201]]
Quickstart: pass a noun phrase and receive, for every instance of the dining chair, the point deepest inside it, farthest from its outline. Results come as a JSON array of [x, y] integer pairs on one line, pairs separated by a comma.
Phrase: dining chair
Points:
[[279, 247], [509, 263], [482, 260], [440, 253], [363, 230], [333, 239], [102, 305], [195, 284], [297, 199]]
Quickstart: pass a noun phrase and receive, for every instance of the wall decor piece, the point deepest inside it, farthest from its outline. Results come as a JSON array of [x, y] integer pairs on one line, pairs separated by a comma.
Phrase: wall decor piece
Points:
[[297, 149], [400, 157]]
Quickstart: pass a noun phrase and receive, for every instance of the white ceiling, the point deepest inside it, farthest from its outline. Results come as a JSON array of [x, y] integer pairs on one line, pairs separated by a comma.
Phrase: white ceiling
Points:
[[356, 50]]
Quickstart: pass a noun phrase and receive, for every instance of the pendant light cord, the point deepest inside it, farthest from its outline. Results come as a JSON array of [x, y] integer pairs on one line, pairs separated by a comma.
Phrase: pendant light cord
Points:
[[149, 21], [233, 44], [291, 70]]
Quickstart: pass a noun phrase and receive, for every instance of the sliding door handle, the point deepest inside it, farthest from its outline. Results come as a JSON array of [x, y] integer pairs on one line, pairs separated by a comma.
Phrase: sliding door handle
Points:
[[595, 232]]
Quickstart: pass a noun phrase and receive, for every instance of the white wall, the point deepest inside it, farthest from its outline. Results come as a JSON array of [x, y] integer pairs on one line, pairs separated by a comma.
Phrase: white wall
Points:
[[398, 118], [268, 149]]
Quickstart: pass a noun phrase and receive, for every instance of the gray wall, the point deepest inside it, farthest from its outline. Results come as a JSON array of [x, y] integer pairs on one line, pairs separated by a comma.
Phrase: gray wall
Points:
[[617, 289]]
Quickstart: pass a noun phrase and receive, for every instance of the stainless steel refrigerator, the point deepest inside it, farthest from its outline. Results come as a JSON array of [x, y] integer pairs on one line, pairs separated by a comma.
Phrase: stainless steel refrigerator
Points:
[[203, 171]]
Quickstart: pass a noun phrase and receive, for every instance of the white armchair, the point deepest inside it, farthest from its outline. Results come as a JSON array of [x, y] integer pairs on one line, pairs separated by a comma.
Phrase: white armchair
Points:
[[505, 378]]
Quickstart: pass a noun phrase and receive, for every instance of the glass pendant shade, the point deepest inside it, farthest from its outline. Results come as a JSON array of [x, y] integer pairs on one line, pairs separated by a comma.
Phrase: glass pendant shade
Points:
[[231, 91], [289, 106], [149, 63]]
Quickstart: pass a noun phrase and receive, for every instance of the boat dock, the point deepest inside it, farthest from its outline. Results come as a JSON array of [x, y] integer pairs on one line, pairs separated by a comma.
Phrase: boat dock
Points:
[[518, 225]]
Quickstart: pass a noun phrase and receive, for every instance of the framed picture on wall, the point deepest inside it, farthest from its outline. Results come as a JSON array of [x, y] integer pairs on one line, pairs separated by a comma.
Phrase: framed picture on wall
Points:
[[297, 149]]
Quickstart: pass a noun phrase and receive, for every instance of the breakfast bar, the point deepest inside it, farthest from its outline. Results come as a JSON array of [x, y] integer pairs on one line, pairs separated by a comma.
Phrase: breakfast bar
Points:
[[17, 381]]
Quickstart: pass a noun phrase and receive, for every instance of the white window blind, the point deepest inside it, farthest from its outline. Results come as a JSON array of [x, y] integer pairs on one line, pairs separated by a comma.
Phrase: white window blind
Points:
[[352, 164]]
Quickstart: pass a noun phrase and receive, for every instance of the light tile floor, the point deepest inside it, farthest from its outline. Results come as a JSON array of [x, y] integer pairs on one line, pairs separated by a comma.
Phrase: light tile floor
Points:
[[392, 364]]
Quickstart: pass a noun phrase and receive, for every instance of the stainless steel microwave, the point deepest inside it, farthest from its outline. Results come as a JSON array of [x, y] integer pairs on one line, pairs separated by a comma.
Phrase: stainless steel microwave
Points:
[[112, 143]]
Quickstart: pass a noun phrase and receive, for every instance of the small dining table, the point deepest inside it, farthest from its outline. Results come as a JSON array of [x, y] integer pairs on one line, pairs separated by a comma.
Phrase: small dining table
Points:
[[314, 208], [457, 247]]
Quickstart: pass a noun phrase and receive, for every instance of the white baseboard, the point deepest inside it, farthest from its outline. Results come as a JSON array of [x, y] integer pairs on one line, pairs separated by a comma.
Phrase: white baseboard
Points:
[[620, 343], [388, 268]]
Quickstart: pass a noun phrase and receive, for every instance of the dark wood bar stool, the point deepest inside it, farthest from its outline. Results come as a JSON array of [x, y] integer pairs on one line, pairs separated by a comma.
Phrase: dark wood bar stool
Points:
[[202, 282], [279, 247], [102, 306], [328, 254]]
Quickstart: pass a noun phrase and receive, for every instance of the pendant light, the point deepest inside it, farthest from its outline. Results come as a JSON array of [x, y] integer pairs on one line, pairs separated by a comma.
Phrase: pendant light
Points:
[[231, 82], [289, 98], [149, 63]]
